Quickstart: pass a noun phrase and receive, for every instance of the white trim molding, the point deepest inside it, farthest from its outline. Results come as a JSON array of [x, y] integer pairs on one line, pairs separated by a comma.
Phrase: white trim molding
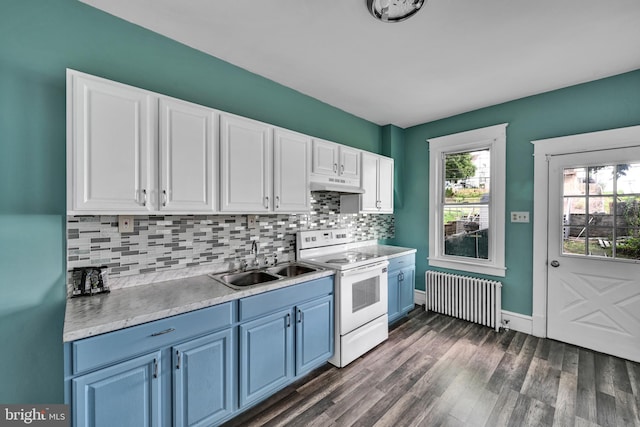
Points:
[[543, 149], [494, 138], [517, 322]]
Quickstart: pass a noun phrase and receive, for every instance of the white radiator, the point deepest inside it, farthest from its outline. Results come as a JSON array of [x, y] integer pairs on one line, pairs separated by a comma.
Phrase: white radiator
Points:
[[468, 298]]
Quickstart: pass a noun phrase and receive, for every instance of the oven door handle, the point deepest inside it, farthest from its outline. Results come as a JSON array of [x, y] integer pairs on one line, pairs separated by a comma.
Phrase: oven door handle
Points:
[[366, 268]]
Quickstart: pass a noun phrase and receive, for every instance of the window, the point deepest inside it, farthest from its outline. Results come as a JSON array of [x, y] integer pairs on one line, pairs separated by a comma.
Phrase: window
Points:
[[466, 213], [601, 211]]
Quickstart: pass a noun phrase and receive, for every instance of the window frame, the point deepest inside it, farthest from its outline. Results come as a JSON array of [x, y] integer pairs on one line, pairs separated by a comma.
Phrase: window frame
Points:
[[491, 137]]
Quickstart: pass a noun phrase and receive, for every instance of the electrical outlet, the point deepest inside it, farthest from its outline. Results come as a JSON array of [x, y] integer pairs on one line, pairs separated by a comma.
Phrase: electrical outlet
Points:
[[519, 216], [125, 223], [252, 222]]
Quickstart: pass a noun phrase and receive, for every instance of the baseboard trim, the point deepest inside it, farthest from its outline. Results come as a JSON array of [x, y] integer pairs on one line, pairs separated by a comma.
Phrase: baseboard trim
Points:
[[517, 322]]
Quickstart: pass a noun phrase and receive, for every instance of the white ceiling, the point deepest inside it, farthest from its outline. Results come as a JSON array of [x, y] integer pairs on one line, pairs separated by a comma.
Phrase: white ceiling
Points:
[[453, 56]]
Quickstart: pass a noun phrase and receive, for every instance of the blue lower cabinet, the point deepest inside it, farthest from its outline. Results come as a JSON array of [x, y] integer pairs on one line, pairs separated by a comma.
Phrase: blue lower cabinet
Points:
[[314, 334], [406, 289], [402, 280], [204, 379], [126, 394], [266, 355]]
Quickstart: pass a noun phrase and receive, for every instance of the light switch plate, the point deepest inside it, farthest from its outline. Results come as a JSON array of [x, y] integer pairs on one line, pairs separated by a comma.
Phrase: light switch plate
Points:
[[519, 216], [125, 223]]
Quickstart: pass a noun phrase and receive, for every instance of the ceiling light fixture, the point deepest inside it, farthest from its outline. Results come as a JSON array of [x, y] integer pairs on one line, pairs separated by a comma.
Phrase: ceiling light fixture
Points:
[[394, 10]]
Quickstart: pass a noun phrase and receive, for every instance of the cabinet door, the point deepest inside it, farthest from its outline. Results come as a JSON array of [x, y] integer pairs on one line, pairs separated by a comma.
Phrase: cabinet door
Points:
[[407, 285], [314, 334], [187, 157], [393, 303], [349, 163], [291, 169], [245, 165], [325, 157], [203, 375], [112, 150], [126, 394], [266, 355], [369, 201], [385, 184]]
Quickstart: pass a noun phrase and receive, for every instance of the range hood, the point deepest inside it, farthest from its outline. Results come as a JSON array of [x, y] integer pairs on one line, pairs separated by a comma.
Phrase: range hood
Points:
[[338, 185]]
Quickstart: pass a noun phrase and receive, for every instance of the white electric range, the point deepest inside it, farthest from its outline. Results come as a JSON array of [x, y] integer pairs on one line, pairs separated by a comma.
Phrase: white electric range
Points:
[[360, 290]]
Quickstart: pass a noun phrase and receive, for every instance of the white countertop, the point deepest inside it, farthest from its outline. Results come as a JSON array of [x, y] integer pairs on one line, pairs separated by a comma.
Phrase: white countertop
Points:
[[121, 308], [130, 306]]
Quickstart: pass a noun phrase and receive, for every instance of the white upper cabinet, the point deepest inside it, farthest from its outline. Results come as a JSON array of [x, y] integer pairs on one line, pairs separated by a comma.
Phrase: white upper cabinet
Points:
[[291, 170], [377, 182], [188, 135], [325, 157], [385, 185], [349, 163], [369, 183], [334, 159], [245, 165], [111, 146]]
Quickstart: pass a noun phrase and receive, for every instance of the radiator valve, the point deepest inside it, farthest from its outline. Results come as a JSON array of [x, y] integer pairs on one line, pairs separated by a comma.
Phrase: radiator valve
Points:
[[505, 325]]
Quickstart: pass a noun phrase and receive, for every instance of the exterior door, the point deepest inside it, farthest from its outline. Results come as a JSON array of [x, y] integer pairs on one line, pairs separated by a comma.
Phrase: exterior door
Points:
[[594, 251]]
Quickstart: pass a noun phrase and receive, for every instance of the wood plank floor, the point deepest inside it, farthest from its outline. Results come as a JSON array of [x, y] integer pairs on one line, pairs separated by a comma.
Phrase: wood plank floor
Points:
[[439, 371]]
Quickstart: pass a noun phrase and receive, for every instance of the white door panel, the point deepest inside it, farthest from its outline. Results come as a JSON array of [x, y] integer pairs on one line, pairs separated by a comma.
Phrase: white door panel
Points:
[[593, 282]]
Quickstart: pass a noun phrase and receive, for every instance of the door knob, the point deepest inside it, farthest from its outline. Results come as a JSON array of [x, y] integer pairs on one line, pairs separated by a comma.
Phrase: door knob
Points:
[[555, 263]]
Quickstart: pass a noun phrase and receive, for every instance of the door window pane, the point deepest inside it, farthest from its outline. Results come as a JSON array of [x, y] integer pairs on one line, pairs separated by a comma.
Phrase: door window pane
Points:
[[604, 220]]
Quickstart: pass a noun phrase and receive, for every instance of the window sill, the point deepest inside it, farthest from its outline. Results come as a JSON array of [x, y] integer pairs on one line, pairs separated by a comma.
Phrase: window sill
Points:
[[471, 267]]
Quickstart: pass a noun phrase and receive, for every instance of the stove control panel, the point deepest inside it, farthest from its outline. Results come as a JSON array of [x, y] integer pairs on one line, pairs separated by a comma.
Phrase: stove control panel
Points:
[[320, 238]]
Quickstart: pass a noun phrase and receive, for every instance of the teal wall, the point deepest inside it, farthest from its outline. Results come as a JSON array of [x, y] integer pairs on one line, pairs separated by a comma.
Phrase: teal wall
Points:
[[603, 104], [39, 39]]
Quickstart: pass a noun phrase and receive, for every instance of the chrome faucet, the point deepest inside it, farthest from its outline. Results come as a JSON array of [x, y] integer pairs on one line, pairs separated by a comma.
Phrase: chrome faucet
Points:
[[255, 250]]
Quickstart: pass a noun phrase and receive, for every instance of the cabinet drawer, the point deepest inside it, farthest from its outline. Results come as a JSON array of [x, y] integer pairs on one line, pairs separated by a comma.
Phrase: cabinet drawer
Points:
[[101, 350], [402, 261], [268, 302]]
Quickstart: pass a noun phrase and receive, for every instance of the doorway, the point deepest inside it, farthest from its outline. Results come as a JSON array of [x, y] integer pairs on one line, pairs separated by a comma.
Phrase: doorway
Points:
[[593, 247]]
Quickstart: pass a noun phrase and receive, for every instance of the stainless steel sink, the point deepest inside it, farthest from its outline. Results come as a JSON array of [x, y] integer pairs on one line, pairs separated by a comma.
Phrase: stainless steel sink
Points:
[[247, 278], [240, 280], [292, 270]]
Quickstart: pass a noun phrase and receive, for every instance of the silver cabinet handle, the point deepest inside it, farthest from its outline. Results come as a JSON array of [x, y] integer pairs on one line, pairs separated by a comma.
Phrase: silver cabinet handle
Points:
[[166, 331], [179, 356], [300, 316], [164, 197], [335, 167], [155, 368], [277, 202], [342, 169], [288, 320], [266, 204], [144, 197]]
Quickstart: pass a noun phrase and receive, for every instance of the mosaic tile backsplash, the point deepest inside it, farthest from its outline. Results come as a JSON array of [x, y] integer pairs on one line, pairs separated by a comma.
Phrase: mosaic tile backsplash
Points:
[[171, 242]]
